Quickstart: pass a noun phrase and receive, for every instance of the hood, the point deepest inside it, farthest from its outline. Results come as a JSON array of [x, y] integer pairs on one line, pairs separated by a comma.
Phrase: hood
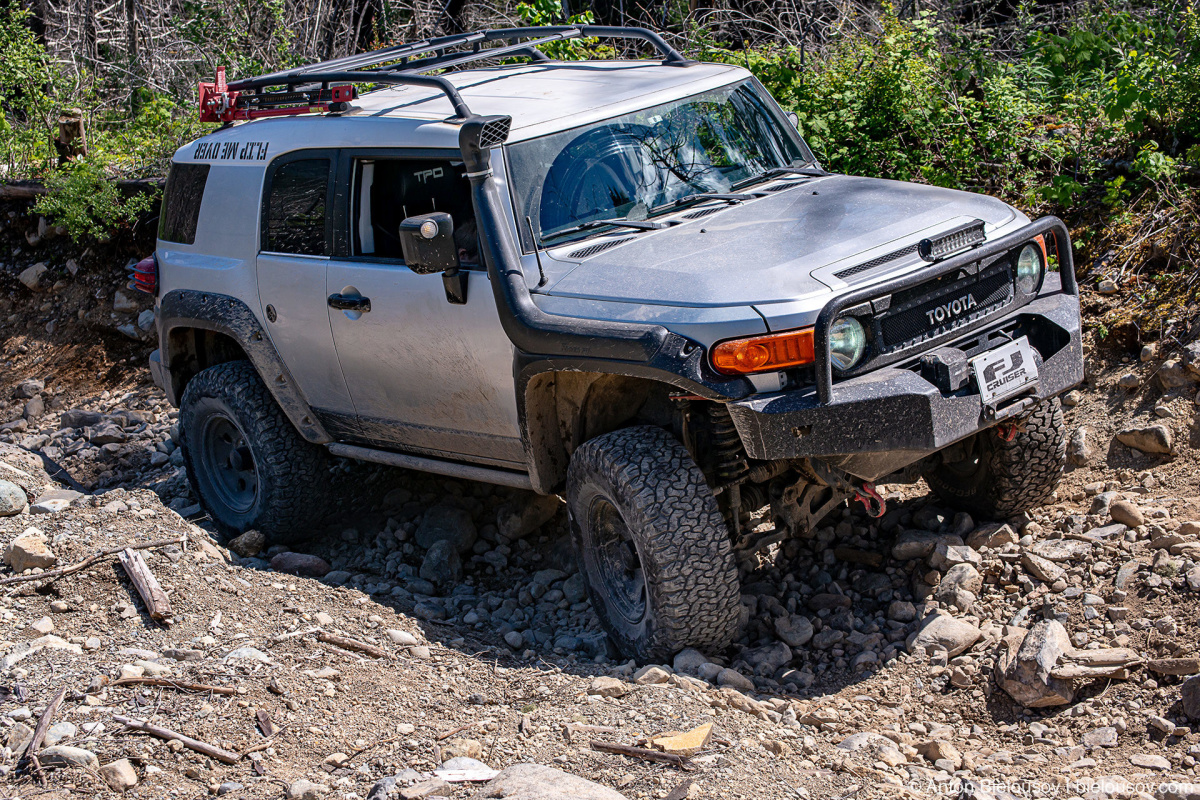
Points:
[[777, 247]]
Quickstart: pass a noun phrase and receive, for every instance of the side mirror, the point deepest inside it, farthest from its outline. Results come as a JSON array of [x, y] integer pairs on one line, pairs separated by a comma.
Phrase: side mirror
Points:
[[428, 243]]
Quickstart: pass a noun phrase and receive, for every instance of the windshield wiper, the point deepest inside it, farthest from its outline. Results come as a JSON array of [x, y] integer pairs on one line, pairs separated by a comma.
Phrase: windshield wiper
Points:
[[810, 171], [637, 224], [726, 196]]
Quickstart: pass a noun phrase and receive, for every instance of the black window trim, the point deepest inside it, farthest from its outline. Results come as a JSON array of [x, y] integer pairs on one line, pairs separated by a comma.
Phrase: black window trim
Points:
[[347, 206], [330, 200]]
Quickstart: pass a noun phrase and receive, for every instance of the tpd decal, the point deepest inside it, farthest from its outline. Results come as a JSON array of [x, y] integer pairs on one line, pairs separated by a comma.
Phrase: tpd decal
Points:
[[231, 151]]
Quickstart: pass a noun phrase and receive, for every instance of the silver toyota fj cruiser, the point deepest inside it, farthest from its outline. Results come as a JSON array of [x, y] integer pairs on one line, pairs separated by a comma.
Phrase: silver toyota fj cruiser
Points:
[[652, 301]]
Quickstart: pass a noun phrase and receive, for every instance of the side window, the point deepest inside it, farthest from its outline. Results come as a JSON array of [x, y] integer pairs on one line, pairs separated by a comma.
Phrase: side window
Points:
[[389, 190], [297, 207], [181, 203]]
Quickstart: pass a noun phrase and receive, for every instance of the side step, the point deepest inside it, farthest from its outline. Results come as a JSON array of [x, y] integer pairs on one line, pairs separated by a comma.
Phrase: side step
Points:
[[500, 477]]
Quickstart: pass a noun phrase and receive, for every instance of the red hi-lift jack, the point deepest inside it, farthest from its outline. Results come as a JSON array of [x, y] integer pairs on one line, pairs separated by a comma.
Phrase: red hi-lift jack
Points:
[[220, 104]]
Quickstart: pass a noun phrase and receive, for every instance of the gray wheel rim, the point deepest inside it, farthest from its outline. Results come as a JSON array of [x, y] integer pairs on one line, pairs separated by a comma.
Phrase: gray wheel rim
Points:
[[229, 464], [616, 562]]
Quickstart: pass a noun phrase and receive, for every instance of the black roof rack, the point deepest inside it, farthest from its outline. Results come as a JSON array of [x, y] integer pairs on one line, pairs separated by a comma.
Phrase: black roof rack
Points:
[[403, 64]]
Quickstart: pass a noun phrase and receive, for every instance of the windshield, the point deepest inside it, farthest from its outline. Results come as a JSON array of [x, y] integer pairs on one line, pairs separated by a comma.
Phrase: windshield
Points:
[[631, 166]]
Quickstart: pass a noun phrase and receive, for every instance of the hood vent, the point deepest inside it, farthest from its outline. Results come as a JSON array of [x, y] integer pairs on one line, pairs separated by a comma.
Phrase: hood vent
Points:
[[876, 262], [599, 247], [704, 212]]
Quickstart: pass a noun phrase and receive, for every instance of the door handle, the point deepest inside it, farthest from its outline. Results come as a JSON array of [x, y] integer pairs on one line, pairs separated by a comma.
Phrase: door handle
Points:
[[344, 302]]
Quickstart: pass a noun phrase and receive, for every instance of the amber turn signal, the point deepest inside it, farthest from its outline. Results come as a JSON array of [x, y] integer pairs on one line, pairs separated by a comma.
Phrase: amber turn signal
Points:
[[764, 353]]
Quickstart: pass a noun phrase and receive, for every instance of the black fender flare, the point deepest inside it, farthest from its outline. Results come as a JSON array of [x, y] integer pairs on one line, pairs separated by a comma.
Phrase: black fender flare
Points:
[[210, 311]]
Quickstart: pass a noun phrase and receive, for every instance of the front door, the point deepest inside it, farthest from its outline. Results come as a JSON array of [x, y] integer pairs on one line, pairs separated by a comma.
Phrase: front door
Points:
[[297, 226], [425, 375]]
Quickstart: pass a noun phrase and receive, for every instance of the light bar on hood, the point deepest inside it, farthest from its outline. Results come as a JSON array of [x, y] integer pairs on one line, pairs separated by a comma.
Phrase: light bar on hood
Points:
[[961, 238]]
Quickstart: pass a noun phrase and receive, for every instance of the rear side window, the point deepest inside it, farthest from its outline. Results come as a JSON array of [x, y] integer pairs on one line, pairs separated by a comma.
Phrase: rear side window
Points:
[[181, 203], [297, 206]]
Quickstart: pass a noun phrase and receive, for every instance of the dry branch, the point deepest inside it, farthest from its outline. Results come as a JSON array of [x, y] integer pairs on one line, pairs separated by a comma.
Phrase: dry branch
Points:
[[158, 605], [207, 749], [181, 685], [90, 560], [351, 644], [640, 752], [43, 725]]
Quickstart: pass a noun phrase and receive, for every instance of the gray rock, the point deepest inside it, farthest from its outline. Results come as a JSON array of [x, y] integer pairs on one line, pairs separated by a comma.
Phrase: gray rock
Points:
[[34, 408], [79, 418], [229, 786], [30, 387], [537, 782], [106, 433], [911, 545], [767, 659], [121, 776], [29, 551], [12, 499], [1189, 694], [734, 679], [1041, 568], [1148, 761], [689, 661], [526, 513], [964, 576], [946, 555], [941, 630], [63, 756], [60, 732], [306, 790], [994, 535], [1101, 737], [795, 629], [300, 564], [248, 654], [55, 500], [31, 276], [1024, 666], [442, 565], [902, 611], [19, 735], [1150, 439], [123, 304], [447, 523], [249, 544], [514, 639], [1079, 450], [575, 589], [1061, 549]]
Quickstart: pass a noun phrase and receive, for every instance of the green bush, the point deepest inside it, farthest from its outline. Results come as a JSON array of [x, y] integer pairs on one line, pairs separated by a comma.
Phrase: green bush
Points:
[[83, 199]]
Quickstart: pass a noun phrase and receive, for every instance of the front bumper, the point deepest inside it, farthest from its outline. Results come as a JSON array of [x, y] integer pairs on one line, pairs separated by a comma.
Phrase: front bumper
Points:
[[884, 420]]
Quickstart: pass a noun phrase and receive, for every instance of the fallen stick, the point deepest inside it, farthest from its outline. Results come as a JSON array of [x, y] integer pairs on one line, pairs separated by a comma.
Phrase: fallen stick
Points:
[[572, 728], [640, 752], [43, 725], [89, 561], [158, 605], [351, 644], [186, 687], [224, 756]]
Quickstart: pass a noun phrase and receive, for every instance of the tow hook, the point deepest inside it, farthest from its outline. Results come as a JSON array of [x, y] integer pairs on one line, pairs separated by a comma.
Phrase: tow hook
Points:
[[866, 494], [1007, 431]]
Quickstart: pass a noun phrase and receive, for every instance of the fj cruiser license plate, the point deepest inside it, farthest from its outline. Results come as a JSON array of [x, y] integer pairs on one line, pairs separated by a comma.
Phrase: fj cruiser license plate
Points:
[[1003, 372]]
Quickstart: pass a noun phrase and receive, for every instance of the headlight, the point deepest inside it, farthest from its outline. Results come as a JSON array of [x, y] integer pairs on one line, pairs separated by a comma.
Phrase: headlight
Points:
[[847, 342], [1029, 268]]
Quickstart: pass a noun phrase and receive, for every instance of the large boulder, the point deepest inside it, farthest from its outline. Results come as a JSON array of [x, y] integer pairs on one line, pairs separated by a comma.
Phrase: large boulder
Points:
[[12, 499], [1151, 439], [944, 631], [447, 523]]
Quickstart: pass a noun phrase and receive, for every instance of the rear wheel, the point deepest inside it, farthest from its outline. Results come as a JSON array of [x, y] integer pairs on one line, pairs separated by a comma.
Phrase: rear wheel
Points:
[[246, 462], [652, 544], [997, 478]]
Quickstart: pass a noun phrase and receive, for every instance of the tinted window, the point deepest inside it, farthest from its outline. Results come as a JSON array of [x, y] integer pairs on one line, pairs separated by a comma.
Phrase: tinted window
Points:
[[181, 203], [389, 190], [296, 207]]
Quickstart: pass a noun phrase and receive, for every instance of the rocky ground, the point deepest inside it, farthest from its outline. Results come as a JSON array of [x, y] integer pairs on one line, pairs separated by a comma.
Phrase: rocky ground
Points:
[[440, 633]]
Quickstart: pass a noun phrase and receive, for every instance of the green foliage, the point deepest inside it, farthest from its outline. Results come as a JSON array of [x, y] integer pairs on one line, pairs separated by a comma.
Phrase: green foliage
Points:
[[549, 12], [83, 199]]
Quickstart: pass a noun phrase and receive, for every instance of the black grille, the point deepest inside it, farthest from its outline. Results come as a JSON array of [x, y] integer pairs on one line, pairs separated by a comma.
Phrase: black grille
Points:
[[593, 249], [704, 212], [875, 262], [914, 316]]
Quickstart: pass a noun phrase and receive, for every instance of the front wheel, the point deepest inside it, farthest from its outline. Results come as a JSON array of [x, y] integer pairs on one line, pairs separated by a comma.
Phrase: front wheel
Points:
[[997, 478], [652, 544], [246, 462]]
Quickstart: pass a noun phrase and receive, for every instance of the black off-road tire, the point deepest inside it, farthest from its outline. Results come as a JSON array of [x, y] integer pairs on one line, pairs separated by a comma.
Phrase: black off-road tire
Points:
[[999, 479], [636, 498], [287, 491]]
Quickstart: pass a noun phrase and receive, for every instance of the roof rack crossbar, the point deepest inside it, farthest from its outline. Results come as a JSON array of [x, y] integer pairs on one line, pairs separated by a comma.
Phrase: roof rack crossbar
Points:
[[400, 64]]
